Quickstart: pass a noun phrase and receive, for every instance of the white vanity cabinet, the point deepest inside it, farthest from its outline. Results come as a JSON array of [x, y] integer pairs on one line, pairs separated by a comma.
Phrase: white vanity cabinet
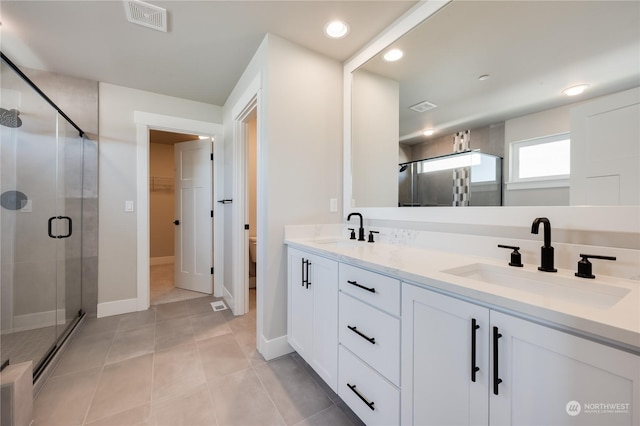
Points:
[[526, 373], [312, 312], [369, 335], [438, 337]]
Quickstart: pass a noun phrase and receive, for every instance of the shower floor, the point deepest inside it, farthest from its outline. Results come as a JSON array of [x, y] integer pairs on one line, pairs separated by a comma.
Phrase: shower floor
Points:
[[163, 289], [28, 345]]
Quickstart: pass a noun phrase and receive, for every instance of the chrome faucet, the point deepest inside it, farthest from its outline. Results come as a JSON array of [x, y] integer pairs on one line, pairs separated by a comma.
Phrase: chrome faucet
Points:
[[361, 229], [546, 252]]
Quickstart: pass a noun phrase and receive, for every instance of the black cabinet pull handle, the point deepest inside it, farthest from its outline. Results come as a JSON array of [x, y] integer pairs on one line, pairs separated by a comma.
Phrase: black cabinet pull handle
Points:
[[353, 389], [371, 340], [496, 379], [474, 367], [68, 219], [305, 272], [304, 263], [355, 283]]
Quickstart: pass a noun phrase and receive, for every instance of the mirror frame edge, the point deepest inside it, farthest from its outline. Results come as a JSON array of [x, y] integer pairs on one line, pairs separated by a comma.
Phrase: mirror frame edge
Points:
[[596, 218]]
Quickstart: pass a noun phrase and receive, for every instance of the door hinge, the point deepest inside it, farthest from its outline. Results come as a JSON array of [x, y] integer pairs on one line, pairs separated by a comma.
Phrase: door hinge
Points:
[[212, 270], [211, 157], [211, 213], [246, 226]]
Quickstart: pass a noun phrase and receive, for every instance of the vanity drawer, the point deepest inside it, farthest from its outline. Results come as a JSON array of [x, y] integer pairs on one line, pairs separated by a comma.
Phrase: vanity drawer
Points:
[[378, 402], [370, 334], [378, 290]]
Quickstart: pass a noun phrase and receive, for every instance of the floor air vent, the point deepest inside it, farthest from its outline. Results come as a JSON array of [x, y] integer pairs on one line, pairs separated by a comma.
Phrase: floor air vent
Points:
[[146, 14]]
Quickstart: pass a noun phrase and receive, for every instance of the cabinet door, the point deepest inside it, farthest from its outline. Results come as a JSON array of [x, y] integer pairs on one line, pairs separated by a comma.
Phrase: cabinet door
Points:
[[324, 283], [300, 309], [437, 357], [554, 378]]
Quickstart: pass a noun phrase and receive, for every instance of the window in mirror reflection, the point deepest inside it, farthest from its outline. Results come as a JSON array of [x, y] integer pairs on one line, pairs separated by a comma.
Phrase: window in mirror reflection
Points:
[[541, 158]]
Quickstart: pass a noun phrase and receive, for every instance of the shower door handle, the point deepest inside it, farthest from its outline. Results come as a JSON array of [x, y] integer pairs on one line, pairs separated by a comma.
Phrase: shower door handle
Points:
[[70, 231], [50, 226]]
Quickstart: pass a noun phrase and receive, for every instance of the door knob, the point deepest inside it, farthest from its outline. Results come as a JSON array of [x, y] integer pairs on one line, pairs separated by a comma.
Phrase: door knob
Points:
[[176, 222]]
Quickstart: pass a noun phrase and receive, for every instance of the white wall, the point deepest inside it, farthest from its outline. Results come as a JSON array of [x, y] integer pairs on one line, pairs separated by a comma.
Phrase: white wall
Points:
[[605, 150], [374, 141], [544, 123], [304, 157], [117, 179], [300, 150]]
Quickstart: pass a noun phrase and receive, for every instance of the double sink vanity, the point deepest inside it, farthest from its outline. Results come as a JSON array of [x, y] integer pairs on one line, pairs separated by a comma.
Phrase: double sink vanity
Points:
[[409, 335]]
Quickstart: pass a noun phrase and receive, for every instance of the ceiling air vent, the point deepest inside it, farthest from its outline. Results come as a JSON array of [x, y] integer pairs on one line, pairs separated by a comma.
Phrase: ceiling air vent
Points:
[[423, 106], [146, 14]]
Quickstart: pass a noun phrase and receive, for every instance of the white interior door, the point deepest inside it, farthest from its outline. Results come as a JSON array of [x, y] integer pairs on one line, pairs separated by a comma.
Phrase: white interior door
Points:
[[193, 236]]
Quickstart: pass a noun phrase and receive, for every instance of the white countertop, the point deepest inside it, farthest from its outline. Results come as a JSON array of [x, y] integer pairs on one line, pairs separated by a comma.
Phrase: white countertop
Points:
[[618, 324]]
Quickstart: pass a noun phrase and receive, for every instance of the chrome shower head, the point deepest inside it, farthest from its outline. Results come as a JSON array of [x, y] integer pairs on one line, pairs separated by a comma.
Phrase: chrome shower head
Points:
[[10, 118], [403, 167]]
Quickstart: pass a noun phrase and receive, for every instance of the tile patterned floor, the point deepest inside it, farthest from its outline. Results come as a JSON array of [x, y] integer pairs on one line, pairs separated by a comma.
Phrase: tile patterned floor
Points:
[[180, 363], [163, 289]]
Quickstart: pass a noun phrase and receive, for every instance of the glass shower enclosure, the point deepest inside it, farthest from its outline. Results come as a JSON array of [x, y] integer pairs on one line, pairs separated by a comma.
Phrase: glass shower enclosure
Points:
[[41, 213], [469, 178]]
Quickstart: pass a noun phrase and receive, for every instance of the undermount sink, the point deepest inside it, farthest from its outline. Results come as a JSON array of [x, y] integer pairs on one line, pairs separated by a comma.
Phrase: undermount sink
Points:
[[548, 285], [341, 242]]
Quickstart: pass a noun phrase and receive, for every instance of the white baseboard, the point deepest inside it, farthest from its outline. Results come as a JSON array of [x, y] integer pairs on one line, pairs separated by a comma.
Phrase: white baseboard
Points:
[[161, 260], [229, 300], [117, 307], [274, 348]]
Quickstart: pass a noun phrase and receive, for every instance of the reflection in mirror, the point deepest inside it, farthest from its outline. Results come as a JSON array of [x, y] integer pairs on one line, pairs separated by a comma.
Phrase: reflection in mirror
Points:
[[489, 77]]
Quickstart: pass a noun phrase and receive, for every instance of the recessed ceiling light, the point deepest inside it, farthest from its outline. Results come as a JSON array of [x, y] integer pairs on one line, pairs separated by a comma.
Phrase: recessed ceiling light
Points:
[[336, 29], [428, 132], [393, 55], [484, 77], [575, 90]]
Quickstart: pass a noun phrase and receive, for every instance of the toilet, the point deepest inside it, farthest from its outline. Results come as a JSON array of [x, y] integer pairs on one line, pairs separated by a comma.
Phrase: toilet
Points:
[[252, 261]]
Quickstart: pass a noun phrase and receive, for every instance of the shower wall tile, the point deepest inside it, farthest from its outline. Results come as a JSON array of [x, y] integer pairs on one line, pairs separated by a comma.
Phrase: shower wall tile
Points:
[[36, 292], [78, 98], [90, 285]]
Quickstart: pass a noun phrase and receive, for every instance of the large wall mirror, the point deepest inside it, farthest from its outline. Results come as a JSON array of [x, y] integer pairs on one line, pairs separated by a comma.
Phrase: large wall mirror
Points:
[[486, 80]]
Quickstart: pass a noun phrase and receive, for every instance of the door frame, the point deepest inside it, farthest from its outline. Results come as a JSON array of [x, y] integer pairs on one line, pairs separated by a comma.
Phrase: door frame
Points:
[[146, 121], [249, 101]]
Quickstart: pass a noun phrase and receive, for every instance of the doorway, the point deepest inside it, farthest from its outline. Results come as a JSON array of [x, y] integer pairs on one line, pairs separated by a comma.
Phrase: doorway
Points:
[[180, 187]]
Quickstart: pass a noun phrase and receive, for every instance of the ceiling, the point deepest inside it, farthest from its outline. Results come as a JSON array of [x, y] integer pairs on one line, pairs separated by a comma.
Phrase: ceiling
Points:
[[532, 50], [208, 45]]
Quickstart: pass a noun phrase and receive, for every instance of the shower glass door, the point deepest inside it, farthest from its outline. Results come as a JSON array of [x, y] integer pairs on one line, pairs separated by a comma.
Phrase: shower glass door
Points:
[[40, 223], [68, 225]]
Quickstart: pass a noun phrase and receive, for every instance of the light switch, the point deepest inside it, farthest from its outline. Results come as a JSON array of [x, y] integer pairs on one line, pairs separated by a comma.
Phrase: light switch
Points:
[[333, 205], [128, 206]]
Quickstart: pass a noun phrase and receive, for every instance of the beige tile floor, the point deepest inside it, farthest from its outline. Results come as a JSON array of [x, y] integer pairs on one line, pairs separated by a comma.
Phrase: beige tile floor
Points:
[[180, 363], [163, 289]]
